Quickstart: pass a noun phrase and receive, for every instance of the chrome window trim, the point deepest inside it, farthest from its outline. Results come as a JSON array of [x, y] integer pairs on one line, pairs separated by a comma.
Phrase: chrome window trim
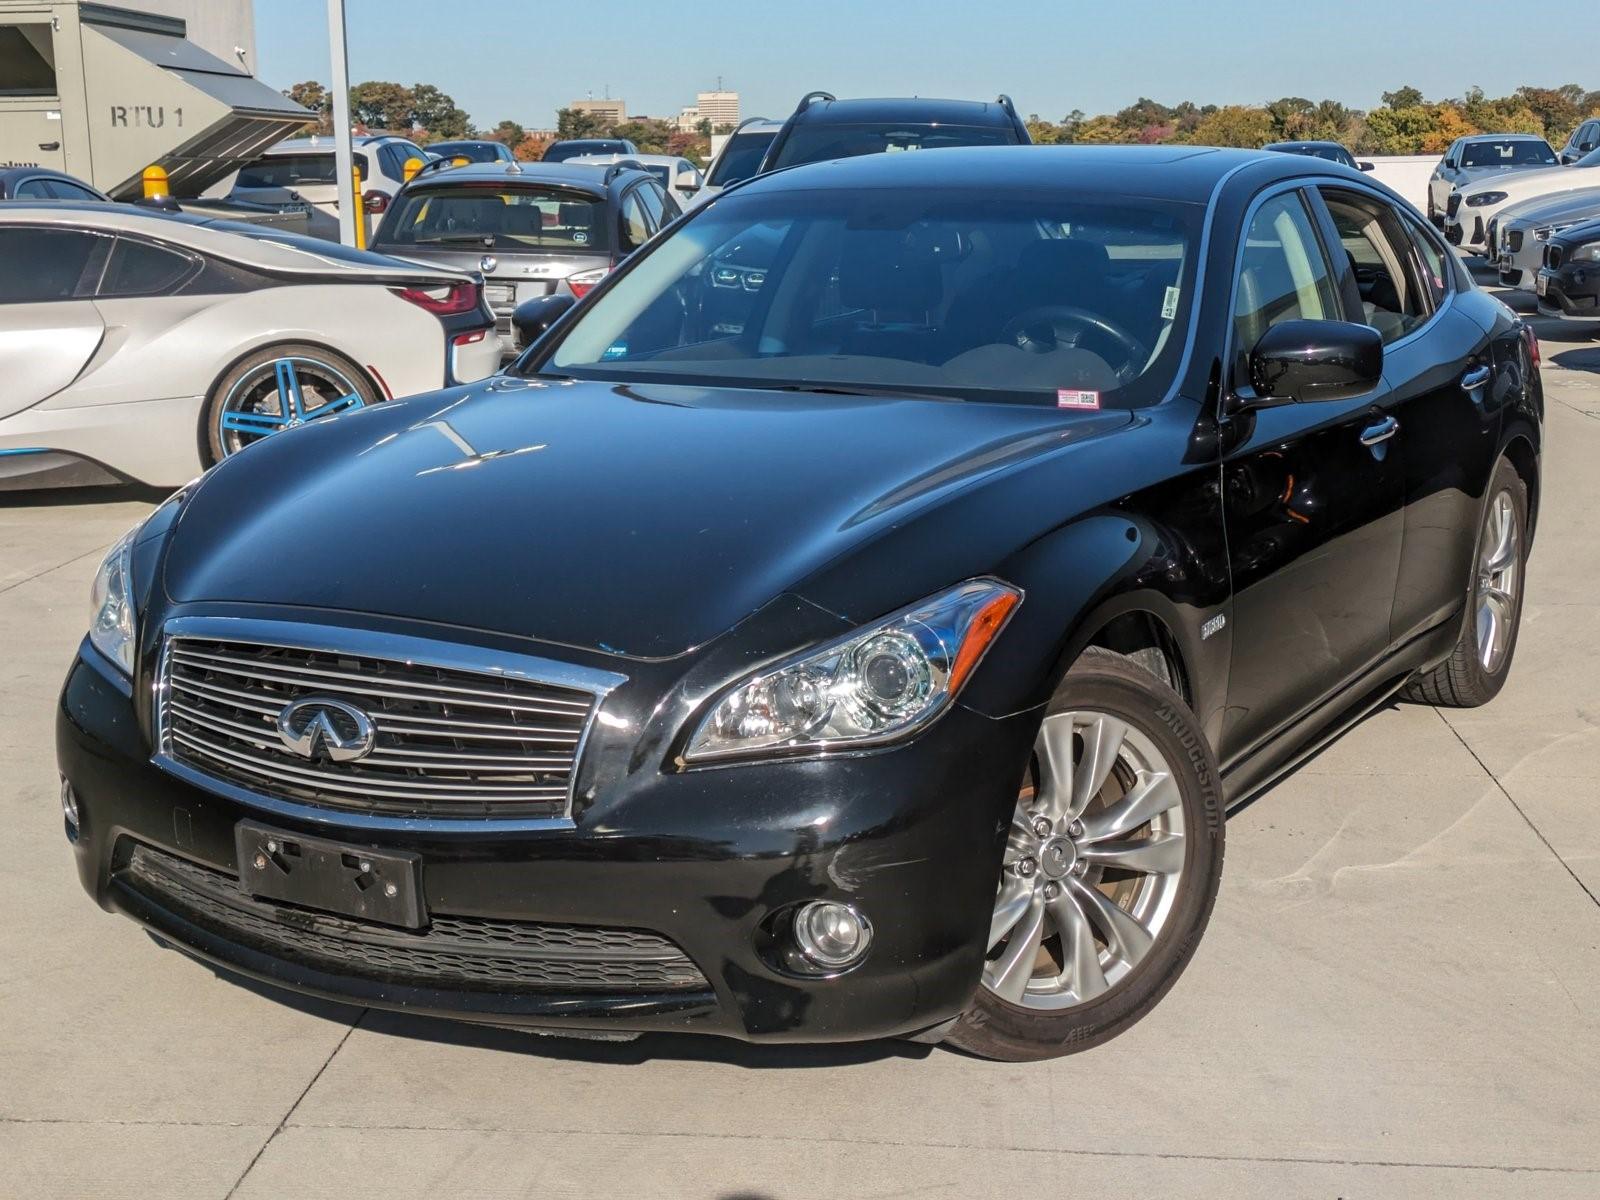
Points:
[[369, 643]]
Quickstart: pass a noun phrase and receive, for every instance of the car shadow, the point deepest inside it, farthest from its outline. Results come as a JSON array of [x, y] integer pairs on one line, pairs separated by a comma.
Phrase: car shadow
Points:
[[1390, 705], [69, 497]]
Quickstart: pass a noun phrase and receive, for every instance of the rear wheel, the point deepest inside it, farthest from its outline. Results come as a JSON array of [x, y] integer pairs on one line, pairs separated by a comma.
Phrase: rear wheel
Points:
[[1481, 661], [1110, 869], [277, 389]]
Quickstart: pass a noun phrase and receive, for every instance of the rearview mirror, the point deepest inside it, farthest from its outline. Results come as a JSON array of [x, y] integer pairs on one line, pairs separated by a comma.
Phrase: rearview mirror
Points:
[[1363, 165], [1307, 361], [533, 318]]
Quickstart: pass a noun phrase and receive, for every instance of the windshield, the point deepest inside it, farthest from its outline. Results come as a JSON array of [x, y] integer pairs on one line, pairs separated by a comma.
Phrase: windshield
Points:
[[1329, 153], [817, 143], [967, 295], [741, 158], [1522, 152], [528, 217], [294, 170], [562, 151]]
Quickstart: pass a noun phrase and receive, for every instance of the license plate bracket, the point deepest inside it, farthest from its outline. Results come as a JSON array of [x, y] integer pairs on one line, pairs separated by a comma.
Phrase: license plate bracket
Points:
[[353, 881], [1542, 285]]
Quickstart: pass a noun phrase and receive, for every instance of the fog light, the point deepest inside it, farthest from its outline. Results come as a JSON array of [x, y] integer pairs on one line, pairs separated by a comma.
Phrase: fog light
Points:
[[69, 809], [834, 936]]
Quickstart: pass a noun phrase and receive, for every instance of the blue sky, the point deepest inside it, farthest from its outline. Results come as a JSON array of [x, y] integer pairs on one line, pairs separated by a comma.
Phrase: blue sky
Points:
[[522, 59]]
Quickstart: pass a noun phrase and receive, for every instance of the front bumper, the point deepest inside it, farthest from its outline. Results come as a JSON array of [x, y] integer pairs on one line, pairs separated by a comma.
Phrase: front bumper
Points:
[[707, 861], [1571, 292]]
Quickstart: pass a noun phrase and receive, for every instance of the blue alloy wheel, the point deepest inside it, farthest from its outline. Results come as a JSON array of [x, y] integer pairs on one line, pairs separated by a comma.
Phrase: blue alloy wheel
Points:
[[280, 394]]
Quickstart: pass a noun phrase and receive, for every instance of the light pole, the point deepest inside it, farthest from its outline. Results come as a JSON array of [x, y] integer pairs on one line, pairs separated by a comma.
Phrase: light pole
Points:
[[343, 145]]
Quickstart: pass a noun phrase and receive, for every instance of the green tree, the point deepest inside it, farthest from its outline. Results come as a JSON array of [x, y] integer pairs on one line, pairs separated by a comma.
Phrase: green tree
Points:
[[573, 123], [314, 96], [437, 113], [1406, 97], [1235, 125], [381, 105], [510, 133]]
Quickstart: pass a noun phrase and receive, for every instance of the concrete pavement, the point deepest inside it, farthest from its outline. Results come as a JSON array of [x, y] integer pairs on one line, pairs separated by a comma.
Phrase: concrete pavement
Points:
[[1399, 994]]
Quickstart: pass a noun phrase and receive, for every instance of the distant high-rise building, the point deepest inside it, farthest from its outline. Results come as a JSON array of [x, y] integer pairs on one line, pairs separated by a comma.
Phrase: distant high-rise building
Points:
[[612, 112], [720, 108]]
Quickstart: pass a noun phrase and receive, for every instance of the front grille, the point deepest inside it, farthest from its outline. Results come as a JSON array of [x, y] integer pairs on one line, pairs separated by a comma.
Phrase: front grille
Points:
[[453, 952], [1552, 256], [1514, 240], [1453, 204], [448, 742]]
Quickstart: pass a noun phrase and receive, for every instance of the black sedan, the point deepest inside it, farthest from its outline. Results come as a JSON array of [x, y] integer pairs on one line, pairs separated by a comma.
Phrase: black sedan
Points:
[[41, 183], [866, 643], [1568, 283]]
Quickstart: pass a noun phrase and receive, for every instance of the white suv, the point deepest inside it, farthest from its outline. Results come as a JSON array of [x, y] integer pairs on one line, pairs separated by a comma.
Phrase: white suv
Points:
[[307, 168]]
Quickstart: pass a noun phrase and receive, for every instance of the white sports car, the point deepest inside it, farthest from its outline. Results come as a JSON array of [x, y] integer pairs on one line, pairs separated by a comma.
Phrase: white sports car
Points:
[[146, 346]]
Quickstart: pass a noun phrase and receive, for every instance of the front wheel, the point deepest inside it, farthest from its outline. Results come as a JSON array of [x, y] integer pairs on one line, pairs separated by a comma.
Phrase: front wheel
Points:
[[277, 389], [1109, 872]]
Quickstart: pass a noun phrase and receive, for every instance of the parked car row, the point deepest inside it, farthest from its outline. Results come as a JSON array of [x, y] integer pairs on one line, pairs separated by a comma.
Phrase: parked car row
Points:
[[1483, 174]]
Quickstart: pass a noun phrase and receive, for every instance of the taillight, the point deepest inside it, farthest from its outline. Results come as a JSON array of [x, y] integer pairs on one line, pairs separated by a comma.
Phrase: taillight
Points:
[[583, 282], [447, 301], [375, 202], [469, 339], [1532, 339]]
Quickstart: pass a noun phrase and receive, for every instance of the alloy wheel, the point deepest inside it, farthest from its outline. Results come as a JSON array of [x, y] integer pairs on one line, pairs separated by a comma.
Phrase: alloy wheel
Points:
[[279, 395], [1499, 576], [1092, 864]]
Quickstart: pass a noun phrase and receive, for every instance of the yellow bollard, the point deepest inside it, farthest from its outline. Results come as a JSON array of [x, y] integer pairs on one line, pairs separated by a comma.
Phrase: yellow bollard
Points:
[[413, 165], [361, 210], [155, 183]]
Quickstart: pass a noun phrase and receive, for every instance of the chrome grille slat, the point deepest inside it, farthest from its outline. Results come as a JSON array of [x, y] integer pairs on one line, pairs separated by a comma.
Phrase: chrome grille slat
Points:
[[271, 768], [444, 746], [559, 708]]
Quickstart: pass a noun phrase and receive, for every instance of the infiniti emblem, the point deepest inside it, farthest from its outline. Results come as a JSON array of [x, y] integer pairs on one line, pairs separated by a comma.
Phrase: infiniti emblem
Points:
[[320, 726], [488, 263]]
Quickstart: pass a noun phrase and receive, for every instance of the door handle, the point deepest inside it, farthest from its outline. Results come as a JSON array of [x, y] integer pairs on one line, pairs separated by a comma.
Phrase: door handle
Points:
[[1380, 431], [49, 145], [1475, 379]]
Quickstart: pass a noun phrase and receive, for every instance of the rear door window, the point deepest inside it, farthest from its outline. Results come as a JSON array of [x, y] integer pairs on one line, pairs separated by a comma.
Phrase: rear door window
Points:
[[635, 224], [33, 189], [143, 269], [1395, 298], [63, 190]]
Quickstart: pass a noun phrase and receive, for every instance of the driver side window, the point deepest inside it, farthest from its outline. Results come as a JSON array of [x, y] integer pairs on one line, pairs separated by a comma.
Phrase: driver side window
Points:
[[1283, 275]]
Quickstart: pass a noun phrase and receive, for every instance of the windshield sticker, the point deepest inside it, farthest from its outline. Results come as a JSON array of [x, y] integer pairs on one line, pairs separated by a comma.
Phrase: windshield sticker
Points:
[[1072, 399], [579, 236], [1169, 306]]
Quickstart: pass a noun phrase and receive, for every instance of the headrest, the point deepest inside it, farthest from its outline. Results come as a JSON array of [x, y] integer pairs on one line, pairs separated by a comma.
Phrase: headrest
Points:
[[878, 269]]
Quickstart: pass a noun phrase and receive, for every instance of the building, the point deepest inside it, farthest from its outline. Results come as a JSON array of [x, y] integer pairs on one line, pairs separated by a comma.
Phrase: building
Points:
[[612, 112], [688, 119], [720, 108]]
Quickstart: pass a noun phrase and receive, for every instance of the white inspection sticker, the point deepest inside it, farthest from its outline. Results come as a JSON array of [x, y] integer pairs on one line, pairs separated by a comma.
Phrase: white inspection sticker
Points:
[[1169, 306], [1072, 399]]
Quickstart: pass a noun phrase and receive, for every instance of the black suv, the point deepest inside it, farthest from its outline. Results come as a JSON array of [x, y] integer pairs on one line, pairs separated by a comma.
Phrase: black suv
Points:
[[532, 229], [823, 127]]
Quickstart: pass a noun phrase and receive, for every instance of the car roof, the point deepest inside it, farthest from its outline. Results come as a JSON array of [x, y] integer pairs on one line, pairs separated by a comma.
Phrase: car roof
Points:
[[642, 159], [1502, 137], [1175, 172], [588, 177], [916, 109], [465, 142], [261, 247]]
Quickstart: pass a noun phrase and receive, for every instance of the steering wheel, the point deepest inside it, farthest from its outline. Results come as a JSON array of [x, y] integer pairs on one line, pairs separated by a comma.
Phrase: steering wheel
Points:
[[1047, 327]]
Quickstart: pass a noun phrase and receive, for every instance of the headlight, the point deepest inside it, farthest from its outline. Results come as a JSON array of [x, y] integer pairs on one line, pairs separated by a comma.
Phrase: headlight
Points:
[[875, 684], [111, 615], [1588, 252], [1482, 198]]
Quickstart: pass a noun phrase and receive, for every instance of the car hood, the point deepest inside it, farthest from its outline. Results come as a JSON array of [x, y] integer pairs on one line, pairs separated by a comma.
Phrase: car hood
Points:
[[642, 521], [1524, 182], [1538, 209]]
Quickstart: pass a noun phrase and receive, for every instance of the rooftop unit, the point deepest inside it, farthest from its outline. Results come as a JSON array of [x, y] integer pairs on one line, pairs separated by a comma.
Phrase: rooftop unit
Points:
[[103, 92]]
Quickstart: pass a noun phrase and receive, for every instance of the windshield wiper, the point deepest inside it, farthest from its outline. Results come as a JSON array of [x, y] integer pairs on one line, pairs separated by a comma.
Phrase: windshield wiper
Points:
[[854, 389]]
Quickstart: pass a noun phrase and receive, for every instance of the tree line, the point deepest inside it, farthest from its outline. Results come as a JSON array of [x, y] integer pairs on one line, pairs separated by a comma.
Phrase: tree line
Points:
[[426, 114], [1406, 123]]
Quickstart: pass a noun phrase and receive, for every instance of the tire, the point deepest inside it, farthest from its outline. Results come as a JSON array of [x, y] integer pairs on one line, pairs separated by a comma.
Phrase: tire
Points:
[[1110, 993], [1474, 673], [247, 394]]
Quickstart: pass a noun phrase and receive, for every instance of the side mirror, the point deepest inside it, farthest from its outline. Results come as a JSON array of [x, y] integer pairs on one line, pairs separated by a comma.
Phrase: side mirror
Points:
[[1363, 165], [1306, 361], [533, 318]]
